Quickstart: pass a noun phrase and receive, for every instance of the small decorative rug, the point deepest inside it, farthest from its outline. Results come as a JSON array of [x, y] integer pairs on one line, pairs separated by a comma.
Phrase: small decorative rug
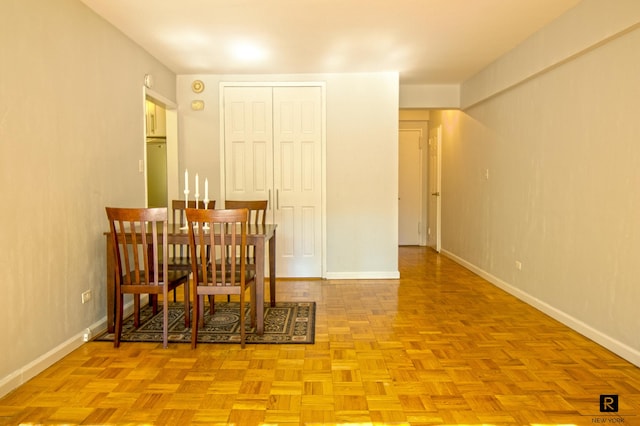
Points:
[[287, 322]]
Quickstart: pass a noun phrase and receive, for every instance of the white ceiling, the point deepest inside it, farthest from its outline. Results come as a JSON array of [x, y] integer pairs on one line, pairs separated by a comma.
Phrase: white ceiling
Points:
[[426, 41]]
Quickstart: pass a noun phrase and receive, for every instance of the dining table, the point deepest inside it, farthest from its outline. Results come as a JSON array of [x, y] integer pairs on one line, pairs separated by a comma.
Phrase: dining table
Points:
[[258, 235]]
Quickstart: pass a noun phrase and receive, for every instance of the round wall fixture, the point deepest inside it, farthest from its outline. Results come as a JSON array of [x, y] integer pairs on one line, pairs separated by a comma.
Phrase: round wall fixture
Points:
[[197, 86]]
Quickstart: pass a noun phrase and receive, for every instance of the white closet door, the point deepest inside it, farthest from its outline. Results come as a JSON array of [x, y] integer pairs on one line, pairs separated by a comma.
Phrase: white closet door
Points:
[[273, 150], [248, 130], [297, 136]]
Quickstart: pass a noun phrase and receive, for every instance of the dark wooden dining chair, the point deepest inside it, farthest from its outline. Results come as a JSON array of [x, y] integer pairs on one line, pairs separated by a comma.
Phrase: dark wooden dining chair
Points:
[[218, 262], [139, 239], [257, 216]]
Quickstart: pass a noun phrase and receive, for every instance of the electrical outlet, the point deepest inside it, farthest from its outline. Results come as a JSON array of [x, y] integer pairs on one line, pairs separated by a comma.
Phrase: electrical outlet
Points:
[[87, 335], [86, 296]]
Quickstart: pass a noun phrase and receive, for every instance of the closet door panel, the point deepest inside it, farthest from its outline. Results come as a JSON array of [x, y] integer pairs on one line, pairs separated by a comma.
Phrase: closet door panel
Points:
[[286, 232], [262, 179], [309, 167], [238, 176], [287, 167], [309, 247]]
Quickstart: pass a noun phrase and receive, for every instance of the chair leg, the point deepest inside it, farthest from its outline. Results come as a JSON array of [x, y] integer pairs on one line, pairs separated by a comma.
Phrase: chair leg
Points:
[[153, 298], [195, 319], [242, 325], [253, 312], [165, 320], [136, 310], [187, 309], [254, 301], [201, 311], [118, 321]]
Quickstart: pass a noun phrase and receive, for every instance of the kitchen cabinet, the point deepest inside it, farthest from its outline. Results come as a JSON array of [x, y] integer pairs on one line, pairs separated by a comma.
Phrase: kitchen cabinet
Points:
[[155, 117]]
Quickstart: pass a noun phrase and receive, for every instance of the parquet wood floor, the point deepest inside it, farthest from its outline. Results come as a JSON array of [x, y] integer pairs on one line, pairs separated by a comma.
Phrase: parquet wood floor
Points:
[[439, 346]]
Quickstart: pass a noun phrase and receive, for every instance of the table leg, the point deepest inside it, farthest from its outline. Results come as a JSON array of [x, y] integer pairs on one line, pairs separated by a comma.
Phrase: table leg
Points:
[[259, 247], [272, 269], [110, 286]]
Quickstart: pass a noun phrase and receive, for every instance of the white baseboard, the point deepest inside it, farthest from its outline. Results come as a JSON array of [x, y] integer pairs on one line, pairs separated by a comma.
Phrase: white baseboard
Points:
[[25, 373], [615, 346], [37, 366], [368, 275]]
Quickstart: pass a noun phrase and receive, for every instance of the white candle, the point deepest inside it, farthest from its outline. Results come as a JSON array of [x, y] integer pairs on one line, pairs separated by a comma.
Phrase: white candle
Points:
[[206, 189], [186, 179], [196, 194]]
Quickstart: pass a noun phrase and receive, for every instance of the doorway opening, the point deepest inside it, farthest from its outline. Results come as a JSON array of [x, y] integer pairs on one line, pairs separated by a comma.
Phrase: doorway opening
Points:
[[410, 185], [413, 177], [160, 149]]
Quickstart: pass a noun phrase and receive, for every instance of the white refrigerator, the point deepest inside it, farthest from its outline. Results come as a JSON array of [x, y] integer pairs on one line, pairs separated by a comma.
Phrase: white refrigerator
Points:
[[157, 172]]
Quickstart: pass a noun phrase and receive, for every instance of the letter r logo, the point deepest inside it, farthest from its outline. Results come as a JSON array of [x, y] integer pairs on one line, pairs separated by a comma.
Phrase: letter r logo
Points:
[[608, 403]]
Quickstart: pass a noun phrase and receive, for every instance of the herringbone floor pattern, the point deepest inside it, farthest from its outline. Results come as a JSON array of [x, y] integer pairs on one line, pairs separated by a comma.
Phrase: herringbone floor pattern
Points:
[[439, 346]]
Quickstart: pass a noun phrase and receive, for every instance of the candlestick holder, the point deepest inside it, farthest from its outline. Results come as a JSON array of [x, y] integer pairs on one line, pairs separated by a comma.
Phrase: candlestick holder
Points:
[[196, 196], [206, 203], [186, 205]]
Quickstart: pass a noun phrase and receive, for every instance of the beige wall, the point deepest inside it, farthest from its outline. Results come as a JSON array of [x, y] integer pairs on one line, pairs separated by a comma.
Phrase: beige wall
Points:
[[71, 135], [361, 162], [582, 28], [430, 96], [563, 158]]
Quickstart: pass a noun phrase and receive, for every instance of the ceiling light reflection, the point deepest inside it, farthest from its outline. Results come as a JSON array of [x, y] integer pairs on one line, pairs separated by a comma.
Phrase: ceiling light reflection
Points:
[[248, 52]]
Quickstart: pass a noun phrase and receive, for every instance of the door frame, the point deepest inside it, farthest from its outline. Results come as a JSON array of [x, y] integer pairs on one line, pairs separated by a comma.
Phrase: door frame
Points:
[[435, 201], [323, 145], [171, 111]]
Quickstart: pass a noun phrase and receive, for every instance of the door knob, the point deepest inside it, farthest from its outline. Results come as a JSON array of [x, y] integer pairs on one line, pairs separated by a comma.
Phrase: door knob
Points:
[[437, 194]]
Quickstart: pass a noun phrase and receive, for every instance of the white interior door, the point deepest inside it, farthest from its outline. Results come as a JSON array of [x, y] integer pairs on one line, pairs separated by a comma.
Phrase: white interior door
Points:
[[435, 162], [273, 150], [410, 187]]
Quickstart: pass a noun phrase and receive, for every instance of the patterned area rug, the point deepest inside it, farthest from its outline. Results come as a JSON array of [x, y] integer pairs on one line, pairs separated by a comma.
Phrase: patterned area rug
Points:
[[287, 322]]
